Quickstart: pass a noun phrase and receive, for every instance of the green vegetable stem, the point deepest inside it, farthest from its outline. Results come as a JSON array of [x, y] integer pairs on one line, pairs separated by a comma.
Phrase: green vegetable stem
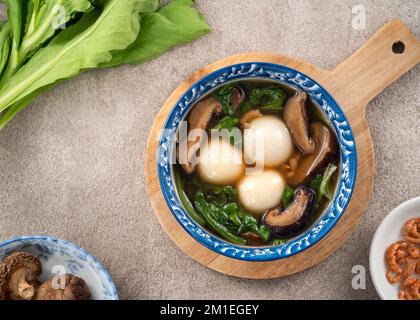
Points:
[[227, 122], [287, 196], [186, 201], [249, 223], [4, 46], [323, 185], [42, 21]]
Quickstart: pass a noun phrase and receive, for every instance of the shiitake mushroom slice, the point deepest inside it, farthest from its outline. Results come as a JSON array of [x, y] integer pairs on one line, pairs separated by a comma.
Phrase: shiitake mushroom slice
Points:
[[238, 96], [312, 163], [296, 118], [292, 220], [199, 119]]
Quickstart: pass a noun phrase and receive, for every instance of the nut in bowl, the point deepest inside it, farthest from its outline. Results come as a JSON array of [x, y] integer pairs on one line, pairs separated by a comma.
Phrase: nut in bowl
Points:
[[46, 268], [395, 253], [250, 202]]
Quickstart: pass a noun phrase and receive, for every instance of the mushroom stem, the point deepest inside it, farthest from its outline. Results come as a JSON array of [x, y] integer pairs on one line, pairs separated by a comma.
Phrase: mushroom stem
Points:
[[20, 286], [25, 290], [19, 273]]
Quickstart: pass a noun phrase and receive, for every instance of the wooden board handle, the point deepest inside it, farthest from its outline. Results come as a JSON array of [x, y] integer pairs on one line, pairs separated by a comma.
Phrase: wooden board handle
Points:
[[391, 52]]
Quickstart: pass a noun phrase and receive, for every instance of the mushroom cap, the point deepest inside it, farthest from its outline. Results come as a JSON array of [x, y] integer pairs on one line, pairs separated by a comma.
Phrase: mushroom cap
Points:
[[310, 164], [292, 220], [63, 287], [199, 119], [15, 262], [238, 96], [296, 118]]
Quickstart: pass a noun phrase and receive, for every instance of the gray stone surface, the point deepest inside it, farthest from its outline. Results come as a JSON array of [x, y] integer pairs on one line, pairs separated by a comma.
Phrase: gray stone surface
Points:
[[73, 162]]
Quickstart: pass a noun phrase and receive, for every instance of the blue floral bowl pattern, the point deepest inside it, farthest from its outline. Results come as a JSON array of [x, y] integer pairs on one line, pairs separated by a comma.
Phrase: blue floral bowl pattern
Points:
[[325, 102], [61, 256]]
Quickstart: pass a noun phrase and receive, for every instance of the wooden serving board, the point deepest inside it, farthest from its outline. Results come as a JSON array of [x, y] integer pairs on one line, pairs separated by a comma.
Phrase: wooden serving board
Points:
[[353, 83]]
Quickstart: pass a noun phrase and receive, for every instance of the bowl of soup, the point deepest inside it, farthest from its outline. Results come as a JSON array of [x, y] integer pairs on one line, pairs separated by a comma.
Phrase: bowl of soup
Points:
[[257, 161]]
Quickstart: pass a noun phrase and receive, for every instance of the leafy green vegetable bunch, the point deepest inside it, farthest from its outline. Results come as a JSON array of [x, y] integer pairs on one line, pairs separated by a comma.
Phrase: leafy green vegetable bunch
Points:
[[217, 208], [269, 99], [44, 42]]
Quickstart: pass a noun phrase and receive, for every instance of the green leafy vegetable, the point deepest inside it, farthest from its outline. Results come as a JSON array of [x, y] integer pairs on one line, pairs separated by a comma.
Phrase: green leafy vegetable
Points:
[[327, 188], [36, 53], [186, 201], [14, 14], [229, 191], [218, 206], [218, 199], [221, 195], [277, 242], [287, 196], [210, 213], [268, 98], [4, 46], [322, 184], [44, 19], [10, 112], [175, 24], [264, 233], [227, 122], [249, 223], [232, 211], [82, 46], [315, 185], [224, 95]]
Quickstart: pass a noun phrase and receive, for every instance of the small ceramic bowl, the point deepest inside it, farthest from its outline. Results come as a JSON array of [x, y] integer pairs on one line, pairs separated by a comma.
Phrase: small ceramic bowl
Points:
[[388, 232], [326, 104], [63, 256]]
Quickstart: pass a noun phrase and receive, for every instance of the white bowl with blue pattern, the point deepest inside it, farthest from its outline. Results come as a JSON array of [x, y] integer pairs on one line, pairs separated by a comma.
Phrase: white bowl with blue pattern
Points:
[[326, 104], [61, 256]]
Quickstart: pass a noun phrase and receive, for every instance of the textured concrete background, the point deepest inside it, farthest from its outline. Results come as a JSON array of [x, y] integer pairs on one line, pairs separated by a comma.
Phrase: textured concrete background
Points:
[[72, 164]]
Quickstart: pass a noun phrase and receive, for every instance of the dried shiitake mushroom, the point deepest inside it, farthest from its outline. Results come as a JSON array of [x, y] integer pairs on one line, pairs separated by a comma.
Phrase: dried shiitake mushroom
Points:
[[288, 222], [238, 96], [63, 287], [296, 118], [198, 120], [19, 273], [310, 164]]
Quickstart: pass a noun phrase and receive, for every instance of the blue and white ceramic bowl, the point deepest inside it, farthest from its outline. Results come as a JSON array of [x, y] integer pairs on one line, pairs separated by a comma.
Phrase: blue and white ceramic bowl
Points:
[[328, 106], [61, 256]]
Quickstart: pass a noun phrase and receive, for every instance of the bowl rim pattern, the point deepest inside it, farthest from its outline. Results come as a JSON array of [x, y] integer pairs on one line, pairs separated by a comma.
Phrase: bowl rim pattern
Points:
[[98, 266], [325, 103]]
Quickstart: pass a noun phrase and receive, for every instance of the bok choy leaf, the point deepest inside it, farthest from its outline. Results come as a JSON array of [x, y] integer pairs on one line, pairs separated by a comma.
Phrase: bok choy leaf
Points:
[[14, 14], [45, 19], [36, 54], [82, 46], [174, 24]]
